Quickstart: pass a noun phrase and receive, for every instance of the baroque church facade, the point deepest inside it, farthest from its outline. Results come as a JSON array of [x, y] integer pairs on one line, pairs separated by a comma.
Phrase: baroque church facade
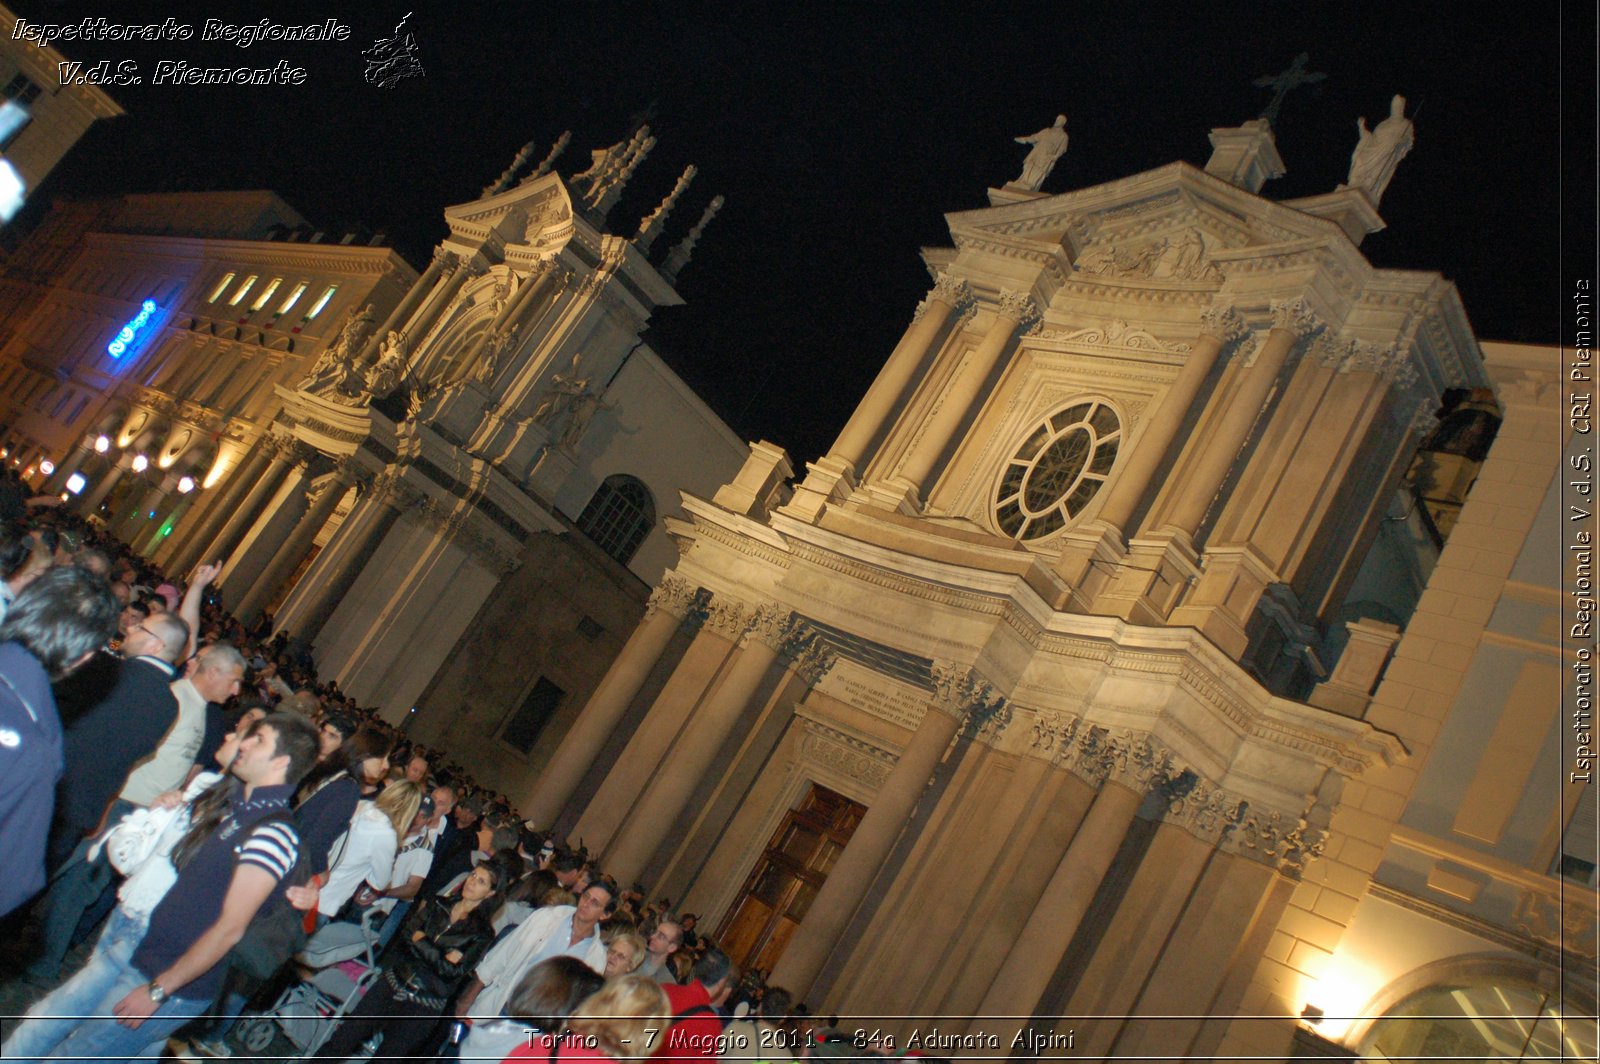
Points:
[[1137, 650], [423, 475], [1066, 685]]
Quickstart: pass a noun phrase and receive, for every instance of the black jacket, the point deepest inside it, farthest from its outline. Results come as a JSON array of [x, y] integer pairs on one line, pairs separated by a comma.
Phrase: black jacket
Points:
[[104, 743], [422, 969]]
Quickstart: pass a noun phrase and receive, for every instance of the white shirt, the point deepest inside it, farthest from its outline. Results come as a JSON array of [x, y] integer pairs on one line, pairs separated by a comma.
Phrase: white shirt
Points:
[[414, 858], [168, 766], [365, 854], [547, 933], [146, 885]]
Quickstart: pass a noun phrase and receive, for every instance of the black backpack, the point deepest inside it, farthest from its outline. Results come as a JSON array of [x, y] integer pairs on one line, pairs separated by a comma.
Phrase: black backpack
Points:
[[278, 930]]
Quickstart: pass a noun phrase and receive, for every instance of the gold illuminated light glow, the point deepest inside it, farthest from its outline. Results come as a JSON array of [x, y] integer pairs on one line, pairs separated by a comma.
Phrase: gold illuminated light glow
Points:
[[266, 294], [1058, 470], [222, 286], [243, 290], [322, 301], [294, 297]]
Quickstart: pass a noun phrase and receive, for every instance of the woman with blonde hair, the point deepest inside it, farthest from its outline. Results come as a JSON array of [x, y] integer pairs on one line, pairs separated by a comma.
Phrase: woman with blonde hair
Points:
[[624, 954], [366, 852], [625, 1020]]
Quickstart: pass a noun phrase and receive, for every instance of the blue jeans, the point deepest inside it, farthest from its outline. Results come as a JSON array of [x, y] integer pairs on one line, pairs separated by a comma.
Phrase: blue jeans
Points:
[[77, 885], [74, 1020]]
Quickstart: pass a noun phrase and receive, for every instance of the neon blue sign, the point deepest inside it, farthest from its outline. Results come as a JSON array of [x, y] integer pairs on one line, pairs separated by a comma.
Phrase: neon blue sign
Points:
[[118, 346]]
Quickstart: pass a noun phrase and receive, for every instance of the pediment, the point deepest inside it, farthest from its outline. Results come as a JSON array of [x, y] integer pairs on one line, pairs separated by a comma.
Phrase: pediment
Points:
[[519, 215], [1175, 226]]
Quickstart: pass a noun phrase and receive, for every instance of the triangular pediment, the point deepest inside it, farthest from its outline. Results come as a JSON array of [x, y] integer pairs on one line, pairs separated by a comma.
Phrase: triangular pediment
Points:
[[1175, 226]]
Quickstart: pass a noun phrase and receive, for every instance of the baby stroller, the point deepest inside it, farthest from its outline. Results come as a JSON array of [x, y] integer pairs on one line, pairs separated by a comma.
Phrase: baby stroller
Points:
[[342, 963]]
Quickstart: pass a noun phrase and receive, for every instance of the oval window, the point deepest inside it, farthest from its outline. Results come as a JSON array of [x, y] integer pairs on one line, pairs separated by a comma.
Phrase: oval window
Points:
[[1057, 470]]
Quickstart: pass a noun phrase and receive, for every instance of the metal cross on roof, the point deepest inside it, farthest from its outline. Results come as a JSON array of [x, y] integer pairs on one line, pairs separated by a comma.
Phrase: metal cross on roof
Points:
[[1292, 78]]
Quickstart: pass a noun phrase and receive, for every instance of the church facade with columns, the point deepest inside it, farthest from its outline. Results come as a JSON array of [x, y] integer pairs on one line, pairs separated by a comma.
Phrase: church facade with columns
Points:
[[1026, 700], [452, 484]]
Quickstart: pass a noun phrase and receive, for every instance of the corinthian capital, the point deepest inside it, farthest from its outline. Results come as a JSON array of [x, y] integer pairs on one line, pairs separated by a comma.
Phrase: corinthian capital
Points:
[[951, 290], [808, 654], [1296, 316], [447, 261], [1222, 322], [960, 690], [673, 595], [770, 625], [726, 617], [1018, 306]]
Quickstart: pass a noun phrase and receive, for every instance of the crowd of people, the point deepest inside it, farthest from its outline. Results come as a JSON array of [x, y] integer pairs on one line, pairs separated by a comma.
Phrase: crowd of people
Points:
[[180, 789]]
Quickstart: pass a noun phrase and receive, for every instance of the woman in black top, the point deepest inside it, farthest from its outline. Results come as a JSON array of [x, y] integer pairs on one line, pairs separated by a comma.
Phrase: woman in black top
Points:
[[327, 799], [443, 940]]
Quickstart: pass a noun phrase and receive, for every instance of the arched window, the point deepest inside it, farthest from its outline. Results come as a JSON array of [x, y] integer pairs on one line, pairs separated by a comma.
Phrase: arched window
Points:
[[619, 516]]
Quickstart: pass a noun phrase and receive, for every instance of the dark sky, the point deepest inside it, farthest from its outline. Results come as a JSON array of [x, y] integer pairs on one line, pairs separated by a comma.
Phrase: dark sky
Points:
[[841, 133]]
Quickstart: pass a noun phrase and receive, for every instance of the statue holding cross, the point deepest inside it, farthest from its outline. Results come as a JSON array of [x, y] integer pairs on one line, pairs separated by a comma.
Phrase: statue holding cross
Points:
[[1281, 84]]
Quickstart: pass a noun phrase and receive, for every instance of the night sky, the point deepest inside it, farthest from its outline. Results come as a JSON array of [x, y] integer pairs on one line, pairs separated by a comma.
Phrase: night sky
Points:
[[841, 133]]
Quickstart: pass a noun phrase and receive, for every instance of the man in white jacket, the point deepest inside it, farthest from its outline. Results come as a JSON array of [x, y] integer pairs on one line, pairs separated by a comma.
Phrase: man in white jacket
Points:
[[549, 932]]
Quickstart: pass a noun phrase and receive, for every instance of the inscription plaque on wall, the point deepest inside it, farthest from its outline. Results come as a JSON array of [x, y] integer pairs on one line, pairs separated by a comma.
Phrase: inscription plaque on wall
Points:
[[897, 703]]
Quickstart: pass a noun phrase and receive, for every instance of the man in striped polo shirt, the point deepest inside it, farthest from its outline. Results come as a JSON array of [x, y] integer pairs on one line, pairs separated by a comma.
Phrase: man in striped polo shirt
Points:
[[239, 849]]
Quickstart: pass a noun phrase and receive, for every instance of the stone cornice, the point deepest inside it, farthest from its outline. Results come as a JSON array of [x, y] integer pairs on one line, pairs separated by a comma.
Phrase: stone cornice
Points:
[[350, 259]]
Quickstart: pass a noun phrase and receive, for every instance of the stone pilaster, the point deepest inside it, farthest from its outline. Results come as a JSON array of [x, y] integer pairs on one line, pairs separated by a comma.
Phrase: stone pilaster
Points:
[[669, 604], [958, 691]]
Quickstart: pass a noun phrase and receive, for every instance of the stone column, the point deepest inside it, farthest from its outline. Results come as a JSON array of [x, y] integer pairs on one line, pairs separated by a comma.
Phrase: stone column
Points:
[[69, 465], [1221, 325], [669, 604], [270, 529], [648, 747], [282, 454], [288, 556], [340, 563], [416, 331], [408, 304], [1130, 765], [1198, 957], [129, 527], [893, 379], [222, 505], [169, 511], [1014, 309], [1218, 443], [540, 280], [91, 502], [663, 802], [1183, 843], [958, 692]]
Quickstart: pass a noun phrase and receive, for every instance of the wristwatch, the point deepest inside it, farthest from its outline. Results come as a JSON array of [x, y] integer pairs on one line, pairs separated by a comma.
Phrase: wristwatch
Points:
[[157, 994]]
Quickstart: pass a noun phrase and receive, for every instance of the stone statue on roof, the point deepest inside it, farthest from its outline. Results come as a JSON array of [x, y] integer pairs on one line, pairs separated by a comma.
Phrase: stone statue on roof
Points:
[[1379, 150], [1049, 144]]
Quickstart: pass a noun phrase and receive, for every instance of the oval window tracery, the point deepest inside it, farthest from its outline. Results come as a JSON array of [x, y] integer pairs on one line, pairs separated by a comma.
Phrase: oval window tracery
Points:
[[1058, 470]]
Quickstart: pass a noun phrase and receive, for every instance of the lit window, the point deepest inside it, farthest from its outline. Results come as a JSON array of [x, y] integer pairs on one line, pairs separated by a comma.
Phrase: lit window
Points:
[[222, 286], [322, 301], [619, 516], [294, 297], [240, 294], [266, 294], [1057, 471]]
